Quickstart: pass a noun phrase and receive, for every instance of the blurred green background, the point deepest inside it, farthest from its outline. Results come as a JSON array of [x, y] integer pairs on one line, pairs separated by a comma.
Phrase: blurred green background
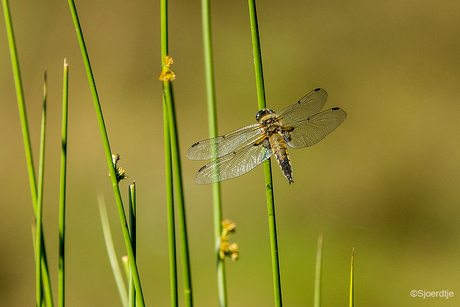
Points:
[[386, 182]]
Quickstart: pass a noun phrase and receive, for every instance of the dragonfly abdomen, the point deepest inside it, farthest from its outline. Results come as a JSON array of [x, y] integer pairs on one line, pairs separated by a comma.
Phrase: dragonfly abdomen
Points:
[[281, 152]]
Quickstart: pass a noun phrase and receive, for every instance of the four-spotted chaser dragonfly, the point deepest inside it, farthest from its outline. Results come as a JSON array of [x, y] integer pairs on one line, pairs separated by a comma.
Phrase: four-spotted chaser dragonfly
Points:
[[298, 125]]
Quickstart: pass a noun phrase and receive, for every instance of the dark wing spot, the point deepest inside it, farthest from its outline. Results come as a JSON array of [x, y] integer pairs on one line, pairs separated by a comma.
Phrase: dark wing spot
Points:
[[335, 109], [195, 144], [201, 169], [224, 136], [317, 89]]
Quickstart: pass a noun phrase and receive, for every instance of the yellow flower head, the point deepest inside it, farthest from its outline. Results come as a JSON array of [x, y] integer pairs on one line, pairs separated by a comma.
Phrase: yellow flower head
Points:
[[167, 74]]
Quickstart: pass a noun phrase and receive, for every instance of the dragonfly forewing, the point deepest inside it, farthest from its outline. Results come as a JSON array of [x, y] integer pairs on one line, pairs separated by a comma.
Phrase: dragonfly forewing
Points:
[[223, 145]]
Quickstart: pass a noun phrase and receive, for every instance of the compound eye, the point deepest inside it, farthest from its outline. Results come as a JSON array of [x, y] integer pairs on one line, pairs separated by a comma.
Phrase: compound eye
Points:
[[260, 114]]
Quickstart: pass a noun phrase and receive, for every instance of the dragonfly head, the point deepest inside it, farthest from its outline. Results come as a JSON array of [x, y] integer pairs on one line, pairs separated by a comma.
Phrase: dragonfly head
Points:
[[261, 115]]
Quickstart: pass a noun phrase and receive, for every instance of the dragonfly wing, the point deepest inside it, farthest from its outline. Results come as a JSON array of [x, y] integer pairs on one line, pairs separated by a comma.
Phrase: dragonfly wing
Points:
[[233, 164], [309, 105], [223, 145], [313, 129]]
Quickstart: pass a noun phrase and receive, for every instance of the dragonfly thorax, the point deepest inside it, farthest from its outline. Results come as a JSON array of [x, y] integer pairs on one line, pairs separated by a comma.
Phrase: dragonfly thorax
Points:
[[269, 122]]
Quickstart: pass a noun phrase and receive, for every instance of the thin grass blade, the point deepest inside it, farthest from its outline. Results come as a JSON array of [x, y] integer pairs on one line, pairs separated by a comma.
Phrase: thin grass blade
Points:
[[111, 251]]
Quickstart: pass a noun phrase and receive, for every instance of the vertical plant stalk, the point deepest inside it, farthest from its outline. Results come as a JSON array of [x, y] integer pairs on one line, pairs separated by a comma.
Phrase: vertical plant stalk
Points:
[[319, 258], [212, 125], [27, 146], [62, 194], [170, 209], [352, 279], [38, 221], [111, 250], [132, 232], [169, 170], [267, 164], [167, 94], [108, 153]]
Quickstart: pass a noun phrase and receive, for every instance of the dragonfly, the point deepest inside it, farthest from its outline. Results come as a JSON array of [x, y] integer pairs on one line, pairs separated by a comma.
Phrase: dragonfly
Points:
[[298, 125]]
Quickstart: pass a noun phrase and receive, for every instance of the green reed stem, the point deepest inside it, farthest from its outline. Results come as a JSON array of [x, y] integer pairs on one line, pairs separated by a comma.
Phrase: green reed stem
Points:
[[212, 126], [267, 164], [170, 209], [169, 103], [180, 198], [46, 299], [21, 103], [132, 231], [41, 177], [169, 170], [179, 195], [46, 283], [352, 280], [111, 250], [319, 257], [62, 186], [108, 153]]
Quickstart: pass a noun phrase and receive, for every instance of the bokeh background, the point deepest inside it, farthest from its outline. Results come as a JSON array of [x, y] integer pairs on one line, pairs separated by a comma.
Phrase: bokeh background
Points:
[[386, 182]]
